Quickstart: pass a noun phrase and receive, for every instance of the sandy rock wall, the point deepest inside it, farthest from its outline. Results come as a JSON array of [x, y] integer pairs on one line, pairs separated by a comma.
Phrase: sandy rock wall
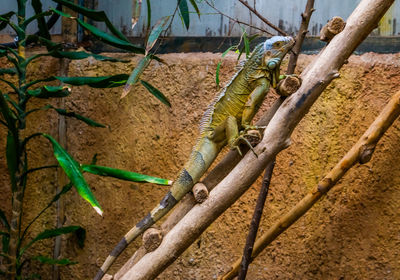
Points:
[[354, 233]]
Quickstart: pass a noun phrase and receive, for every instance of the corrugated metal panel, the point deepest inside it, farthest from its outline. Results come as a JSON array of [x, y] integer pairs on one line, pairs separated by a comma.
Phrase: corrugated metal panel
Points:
[[11, 5], [283, 13]]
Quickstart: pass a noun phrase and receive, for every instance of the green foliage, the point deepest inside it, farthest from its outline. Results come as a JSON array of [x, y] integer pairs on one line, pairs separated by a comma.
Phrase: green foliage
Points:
[[158, 94], [123, 174], [184, 12], [13, 113], [47, 260], [73, 172], [50, 233]]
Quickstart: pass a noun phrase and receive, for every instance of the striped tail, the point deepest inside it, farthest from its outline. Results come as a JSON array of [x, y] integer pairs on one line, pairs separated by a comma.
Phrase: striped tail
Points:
[[200, 160]]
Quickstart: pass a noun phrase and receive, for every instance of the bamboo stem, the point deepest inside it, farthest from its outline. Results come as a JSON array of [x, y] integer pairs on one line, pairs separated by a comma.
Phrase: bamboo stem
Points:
[[361, 152]]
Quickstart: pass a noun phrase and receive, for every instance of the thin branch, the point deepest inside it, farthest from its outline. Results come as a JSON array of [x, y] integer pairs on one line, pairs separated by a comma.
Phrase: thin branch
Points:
[[305, 20], [361, 152], [267, 22], [236, 20], [255, 221]]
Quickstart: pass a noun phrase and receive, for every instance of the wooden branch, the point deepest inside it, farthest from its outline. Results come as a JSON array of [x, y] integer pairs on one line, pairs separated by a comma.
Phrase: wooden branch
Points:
[[151, 239], [267, 22], [200, 192], [276, 138], [288, 86], [361, 152], [332, 28], [305, 20], [210, 181], [255, 221]]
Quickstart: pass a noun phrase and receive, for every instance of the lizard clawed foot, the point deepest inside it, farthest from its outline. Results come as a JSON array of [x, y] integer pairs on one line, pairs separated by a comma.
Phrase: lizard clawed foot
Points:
[[241, 138]]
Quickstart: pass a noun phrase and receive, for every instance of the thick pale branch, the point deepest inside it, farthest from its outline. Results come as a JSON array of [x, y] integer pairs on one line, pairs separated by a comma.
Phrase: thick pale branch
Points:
[[361, 152], [276, 137]]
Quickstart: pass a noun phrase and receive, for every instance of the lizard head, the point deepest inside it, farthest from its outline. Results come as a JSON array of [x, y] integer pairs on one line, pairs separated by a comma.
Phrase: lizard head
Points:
[[276, 48]]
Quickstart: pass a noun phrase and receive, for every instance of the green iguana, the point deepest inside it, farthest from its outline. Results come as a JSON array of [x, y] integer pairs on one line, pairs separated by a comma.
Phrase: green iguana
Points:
[[231, 112]]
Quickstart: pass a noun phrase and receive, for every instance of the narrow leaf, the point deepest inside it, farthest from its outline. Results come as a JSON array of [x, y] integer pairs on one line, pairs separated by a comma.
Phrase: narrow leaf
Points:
[[47, 260], [246, 44], [50, 91], [95, 82], [155, 32], [49, 233], [148, 15], [86, 120], [5, 242], [135, 75], [72, 170], [123, 174], [94, 15], [194, 4], [83, 55], [3, 220], [108, 38], [7, 16], [64, 190], [184, 10], [9, 71], [136, 5], [217, 73], [43, 29], [158, 94]]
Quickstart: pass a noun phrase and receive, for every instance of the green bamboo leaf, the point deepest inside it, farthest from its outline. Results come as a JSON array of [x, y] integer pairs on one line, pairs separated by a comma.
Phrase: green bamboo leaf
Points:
[[9, 71], [123, 174], [135, 75], [217, 73], [50, 91], [184, 11], [3, 220], [136, 5], [42, 26], [94, 15], [5, 242], [49, 233], [86, 120], [158, 94], [108, 38], [7, 16], [155, 32], [83, 55], [246, 44], [96, 82], [64, 190], [148, 15], [72, 170], [47, 260], [194, 4]]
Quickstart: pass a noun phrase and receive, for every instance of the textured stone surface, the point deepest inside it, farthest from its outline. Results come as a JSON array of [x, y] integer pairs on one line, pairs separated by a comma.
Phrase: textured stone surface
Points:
[[353, 233]]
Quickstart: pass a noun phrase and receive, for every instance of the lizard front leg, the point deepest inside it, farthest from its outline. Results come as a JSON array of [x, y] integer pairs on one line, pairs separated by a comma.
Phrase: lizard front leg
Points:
[[253, 104]]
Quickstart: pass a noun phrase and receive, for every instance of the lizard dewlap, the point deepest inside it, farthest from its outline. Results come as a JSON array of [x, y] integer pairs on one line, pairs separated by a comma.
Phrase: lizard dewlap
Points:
[[225, 122]]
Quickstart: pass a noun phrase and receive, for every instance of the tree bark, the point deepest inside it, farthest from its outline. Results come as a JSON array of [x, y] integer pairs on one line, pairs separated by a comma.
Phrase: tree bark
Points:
[[276, 137]]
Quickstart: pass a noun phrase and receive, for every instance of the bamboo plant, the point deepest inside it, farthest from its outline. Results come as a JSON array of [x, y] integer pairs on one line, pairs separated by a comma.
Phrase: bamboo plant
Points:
[[14, 113]]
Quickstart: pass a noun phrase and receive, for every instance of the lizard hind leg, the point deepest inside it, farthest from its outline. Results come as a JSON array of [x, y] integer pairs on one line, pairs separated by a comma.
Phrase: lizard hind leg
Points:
[[232, 134], [233, 137]]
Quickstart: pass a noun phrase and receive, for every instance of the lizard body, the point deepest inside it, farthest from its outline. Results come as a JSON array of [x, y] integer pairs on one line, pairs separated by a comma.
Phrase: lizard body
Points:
[[230, 112]]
